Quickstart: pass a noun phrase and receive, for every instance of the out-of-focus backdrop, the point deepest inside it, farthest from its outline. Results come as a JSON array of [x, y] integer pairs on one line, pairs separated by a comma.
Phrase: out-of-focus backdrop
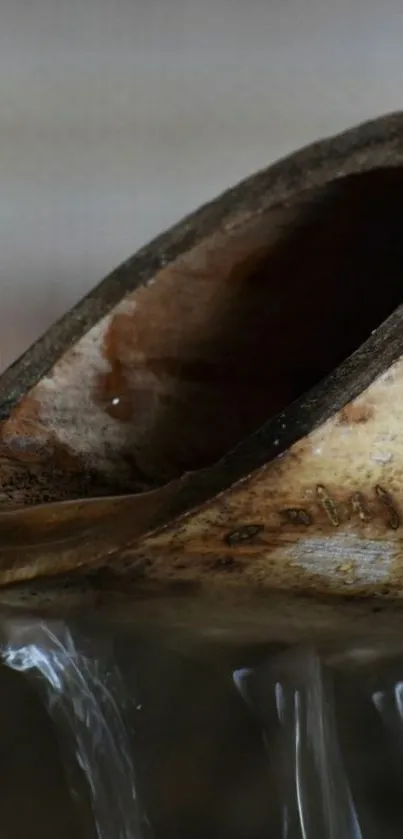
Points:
[[117, 117]]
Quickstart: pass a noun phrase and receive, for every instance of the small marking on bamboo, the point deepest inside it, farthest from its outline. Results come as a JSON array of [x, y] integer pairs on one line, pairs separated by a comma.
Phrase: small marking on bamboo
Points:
[[297, 515], [393, 517], [359, 506], [328, 505], [225, 563], [244, 533]]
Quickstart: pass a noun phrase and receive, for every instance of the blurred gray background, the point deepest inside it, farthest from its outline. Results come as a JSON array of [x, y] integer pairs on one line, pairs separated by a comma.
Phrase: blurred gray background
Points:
[[117, 117]]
